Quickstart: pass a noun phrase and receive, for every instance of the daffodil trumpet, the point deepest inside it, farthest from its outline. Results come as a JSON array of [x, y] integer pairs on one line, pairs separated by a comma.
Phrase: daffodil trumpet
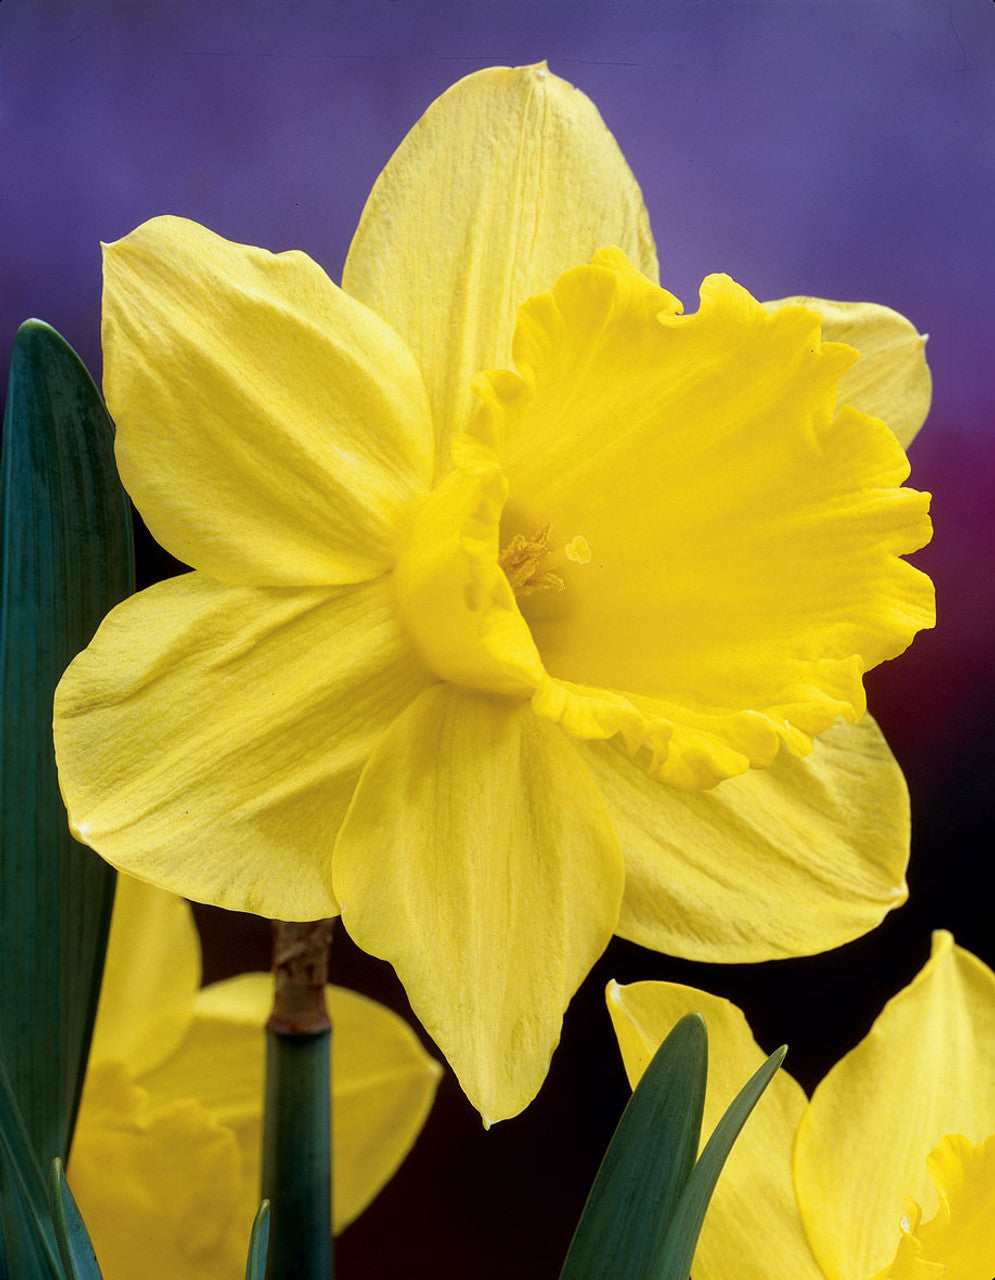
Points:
[[525, 609]]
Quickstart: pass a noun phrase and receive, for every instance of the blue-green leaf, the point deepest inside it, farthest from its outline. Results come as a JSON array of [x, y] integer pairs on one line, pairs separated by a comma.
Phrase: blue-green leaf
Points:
[[255, 1267], [647, 1164], [66, 561], [24, 1251], [677, 1254], [75, 1248], [29, 1245]]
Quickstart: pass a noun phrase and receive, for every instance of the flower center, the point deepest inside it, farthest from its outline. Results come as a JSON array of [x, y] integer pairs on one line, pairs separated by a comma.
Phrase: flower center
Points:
[[456, 596], [520, 562]]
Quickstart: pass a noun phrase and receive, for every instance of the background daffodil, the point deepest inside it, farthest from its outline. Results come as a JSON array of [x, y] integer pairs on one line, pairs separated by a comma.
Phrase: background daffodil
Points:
[[166, 1159], [502, 564], [888, 1173]]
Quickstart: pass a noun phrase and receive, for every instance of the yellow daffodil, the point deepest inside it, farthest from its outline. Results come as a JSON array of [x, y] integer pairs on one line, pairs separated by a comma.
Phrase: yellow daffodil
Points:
[[519, 596], [888, 1173], [165, 1163]]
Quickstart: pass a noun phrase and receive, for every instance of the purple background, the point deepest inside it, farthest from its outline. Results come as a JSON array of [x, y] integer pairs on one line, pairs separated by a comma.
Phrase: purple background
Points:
[[837, 149]]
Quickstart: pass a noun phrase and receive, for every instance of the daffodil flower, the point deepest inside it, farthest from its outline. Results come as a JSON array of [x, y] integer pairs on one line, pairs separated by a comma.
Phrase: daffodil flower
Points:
[[888, 1173], [519, 597], [165, 1162]]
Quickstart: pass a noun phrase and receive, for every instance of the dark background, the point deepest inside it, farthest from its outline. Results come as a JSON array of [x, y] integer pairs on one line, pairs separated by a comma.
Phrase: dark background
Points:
[[841, 149]]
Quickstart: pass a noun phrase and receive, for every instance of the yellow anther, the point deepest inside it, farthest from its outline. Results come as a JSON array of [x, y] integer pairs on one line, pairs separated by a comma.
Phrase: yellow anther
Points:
[[578, 550], [520, 561]]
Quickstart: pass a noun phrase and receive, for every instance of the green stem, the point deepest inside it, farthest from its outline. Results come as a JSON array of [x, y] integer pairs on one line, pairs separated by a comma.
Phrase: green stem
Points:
[[297, 1124]]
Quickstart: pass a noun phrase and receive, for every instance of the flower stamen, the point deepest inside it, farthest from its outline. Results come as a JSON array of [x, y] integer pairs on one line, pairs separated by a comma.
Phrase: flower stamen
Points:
[[578, 550], [520, 563]]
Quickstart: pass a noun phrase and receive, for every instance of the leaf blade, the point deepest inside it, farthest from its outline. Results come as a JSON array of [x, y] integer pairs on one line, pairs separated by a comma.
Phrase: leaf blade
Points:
[[29, 1242], [75, 1248], [255, 1266], [675, 1258], [66, 560], [647, 1163]]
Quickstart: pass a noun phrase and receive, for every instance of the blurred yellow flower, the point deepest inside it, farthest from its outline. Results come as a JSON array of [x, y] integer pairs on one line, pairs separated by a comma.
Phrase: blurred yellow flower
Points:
[[467, 649], [165, 1162], [888, 1173]]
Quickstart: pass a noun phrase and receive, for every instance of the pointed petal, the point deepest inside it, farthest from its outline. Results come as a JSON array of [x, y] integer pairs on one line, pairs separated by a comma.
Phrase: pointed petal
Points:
[[151, 976], [784, 861], [891, 380], [210, 737], [478, 858], [158, 1189], [508, 179], [382, 1084], [271, 429], [924, 1071], [743, 541], [753, 1228]]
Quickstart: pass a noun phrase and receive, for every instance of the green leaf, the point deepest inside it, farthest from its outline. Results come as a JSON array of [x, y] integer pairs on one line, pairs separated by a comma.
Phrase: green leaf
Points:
[[255, 1267], [75, 1248], [30, 1247], [297, 1174], [647, 1164], [67, 560], [27, 1252], [677, 1254]]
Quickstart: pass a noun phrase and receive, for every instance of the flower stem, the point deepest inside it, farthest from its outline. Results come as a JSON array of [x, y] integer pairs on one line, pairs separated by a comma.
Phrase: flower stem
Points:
[[297, 1123]]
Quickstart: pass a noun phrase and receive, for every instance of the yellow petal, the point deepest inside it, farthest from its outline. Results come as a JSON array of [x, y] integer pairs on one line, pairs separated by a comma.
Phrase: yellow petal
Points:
[[270, 429], [158, 1188], [753, 1229], [382, 1084], [479, 859], [784, 861], [924, 1071], [210, 737], [745, 542], [508, 179], [891, 380], [151, 976]]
